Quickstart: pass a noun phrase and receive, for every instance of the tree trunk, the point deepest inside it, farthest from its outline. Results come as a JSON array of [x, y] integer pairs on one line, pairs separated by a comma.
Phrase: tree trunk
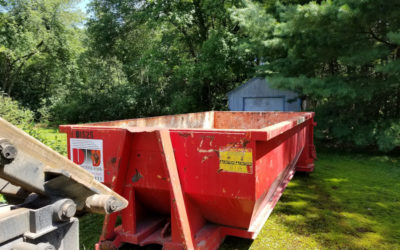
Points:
[[200, 19]]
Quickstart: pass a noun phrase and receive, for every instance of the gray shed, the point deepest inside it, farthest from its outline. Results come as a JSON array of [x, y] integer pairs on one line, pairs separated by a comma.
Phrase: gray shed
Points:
[[257, 95]]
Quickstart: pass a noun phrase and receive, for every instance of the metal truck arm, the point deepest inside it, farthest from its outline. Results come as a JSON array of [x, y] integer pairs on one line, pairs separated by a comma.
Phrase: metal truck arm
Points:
[[44, 190]]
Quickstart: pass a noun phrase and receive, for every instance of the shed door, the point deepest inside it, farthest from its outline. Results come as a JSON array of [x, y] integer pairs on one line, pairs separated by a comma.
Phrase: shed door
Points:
[[264, 104]]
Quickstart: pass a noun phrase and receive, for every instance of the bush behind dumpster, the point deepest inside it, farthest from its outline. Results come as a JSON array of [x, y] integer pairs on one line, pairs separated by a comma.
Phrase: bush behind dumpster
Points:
[[11, 111]]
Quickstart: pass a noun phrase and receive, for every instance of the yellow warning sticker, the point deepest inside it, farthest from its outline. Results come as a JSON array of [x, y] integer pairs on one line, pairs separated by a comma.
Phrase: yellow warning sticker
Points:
[[237, 160]]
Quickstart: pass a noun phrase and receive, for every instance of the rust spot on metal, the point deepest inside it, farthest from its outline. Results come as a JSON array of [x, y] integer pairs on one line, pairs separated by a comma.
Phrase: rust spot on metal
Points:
[[184, 134], [245, 142], [165, 179], [113, 160], [136, 177]]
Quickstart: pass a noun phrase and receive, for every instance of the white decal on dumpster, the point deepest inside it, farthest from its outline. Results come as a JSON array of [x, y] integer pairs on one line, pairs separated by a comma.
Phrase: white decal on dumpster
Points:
[[237, 160], [88, 153]]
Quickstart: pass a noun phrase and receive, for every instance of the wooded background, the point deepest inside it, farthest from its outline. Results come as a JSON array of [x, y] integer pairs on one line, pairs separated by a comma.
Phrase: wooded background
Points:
[[132, 58]]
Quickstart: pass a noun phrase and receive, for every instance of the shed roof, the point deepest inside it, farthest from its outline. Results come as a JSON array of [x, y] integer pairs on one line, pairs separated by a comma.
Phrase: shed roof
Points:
[[245, 84]]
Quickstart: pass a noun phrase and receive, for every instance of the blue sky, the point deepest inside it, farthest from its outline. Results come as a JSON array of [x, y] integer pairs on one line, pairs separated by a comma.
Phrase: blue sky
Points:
[[82, 4]]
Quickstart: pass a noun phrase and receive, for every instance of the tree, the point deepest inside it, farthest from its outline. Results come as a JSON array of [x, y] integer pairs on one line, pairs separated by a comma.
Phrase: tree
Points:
[[340, 55], [180, 56], [39, 43]]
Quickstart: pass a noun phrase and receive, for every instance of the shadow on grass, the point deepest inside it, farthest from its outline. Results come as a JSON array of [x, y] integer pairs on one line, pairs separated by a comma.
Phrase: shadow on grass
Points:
[[349, 202], [235, 243], [308, 209]]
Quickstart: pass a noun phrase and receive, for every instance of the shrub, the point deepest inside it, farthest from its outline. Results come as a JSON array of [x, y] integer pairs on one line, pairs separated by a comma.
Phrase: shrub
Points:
[[23, 118], [11, 111]]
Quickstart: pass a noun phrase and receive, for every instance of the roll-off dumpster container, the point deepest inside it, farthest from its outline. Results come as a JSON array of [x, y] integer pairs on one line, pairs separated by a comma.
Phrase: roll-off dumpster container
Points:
[[193, 179]]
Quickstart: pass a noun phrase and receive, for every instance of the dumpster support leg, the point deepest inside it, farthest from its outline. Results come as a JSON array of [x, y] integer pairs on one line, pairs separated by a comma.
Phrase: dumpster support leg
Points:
[[176, 188], [306, 161]]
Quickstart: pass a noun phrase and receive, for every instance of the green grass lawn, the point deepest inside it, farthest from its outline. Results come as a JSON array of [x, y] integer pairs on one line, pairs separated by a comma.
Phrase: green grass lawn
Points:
[[351, 201], [52, 138]]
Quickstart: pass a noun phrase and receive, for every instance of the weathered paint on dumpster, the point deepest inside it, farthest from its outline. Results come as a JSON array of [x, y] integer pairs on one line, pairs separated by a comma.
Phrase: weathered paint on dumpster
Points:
[[193, 179]]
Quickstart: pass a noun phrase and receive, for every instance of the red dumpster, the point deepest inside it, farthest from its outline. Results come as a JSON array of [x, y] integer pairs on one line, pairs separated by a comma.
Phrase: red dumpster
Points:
[[193, 179]]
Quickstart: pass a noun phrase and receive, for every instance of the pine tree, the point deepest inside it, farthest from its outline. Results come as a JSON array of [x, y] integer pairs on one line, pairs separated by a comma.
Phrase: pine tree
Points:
[[342, 56]]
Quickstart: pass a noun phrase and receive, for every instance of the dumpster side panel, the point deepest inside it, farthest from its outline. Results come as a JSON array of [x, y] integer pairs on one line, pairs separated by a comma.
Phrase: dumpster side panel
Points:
[[275, 155], [220, 194], [112, 140], [198, 160], [146, 164], [306, 161]]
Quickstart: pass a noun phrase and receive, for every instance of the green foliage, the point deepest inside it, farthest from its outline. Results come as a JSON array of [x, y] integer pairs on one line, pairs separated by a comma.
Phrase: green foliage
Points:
[[52, 138], [23, 118], [39, 43], [177, 56], [102, 93], [341, 56], [144, 58], [389, 135], [11, 111]]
